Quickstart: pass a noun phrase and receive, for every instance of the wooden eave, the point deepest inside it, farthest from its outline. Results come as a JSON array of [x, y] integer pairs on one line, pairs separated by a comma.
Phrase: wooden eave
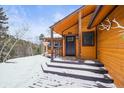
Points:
[[101, 12], [72, 19]]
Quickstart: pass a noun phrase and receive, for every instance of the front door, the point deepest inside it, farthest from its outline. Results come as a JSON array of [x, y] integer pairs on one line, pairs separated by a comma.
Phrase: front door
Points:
[[70, 46]]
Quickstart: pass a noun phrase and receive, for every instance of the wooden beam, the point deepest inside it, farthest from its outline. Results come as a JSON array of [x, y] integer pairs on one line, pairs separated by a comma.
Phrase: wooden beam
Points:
[[79, 35], [94, 15], [52, 45]]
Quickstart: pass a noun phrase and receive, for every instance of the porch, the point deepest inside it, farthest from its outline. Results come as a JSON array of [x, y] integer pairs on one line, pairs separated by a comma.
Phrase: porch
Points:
[[77, 40]]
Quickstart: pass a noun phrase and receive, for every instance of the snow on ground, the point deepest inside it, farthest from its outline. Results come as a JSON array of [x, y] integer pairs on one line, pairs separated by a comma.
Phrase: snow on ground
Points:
[[26, 72], [23, 70]]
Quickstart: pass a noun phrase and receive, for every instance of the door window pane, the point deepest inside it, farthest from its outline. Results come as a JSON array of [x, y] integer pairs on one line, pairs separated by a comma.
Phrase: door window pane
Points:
[[70, 39]]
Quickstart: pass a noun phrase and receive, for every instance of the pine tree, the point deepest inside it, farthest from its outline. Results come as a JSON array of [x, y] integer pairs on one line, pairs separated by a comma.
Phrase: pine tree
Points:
[[41, 44], [3, 32]]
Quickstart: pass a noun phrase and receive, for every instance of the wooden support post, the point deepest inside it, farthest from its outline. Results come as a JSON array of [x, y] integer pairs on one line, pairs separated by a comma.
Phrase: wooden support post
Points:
[[63, 45], [79, 35], [52, 45]]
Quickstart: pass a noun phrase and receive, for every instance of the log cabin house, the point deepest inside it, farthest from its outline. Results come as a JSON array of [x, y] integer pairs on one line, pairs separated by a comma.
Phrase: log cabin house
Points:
[[94, 32]]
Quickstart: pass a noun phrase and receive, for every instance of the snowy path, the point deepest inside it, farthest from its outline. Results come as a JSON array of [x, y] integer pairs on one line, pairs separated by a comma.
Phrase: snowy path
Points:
[[27, 72]]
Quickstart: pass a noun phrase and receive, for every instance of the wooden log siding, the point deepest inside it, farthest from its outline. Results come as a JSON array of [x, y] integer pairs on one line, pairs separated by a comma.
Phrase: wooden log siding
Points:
[[111, 47], [88, 52]]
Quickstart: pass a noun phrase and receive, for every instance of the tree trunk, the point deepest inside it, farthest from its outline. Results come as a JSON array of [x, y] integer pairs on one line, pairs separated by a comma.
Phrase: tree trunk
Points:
[[10, 51], [4, 46]]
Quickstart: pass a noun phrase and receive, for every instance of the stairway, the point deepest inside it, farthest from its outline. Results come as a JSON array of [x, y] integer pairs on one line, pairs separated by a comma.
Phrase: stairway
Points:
[[87, 70]]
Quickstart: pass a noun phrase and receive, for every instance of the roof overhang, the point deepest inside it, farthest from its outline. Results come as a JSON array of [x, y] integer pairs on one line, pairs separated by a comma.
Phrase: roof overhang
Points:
[[101, 12], [72, 19]]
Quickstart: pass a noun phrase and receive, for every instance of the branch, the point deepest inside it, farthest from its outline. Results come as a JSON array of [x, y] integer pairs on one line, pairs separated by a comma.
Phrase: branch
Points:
[[4, 45], [17, 39]]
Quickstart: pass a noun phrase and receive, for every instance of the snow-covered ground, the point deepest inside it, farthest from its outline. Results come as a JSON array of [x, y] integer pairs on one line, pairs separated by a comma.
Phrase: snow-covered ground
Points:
[[27, 72], [20, 71]]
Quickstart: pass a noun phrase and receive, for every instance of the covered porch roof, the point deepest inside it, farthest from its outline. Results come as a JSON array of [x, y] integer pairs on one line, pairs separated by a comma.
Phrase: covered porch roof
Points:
[[72, 19], [100, 12]]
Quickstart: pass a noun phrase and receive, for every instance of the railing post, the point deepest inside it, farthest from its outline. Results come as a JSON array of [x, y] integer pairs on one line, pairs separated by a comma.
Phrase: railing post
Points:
[[52, 45]]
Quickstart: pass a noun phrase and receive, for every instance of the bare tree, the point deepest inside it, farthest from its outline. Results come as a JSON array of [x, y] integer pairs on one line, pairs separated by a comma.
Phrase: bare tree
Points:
[[19, 34], [4, 46], [6, 43]]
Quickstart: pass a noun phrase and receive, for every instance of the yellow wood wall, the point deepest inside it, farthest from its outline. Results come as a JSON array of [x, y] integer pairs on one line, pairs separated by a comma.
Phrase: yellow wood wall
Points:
[[111, 47], [87, 52]]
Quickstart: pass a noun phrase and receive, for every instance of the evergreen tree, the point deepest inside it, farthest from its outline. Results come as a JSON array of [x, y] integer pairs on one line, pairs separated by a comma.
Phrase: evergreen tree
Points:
[[3, 32], [41, 37], [41, 42]]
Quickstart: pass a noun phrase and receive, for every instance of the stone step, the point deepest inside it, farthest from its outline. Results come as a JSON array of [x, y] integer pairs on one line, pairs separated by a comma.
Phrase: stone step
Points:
[[85, 75], [82, 62], [94, 69]]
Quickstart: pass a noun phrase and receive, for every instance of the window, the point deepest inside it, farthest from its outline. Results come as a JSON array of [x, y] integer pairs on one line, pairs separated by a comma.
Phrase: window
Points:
[[70, 39], [88, 38]]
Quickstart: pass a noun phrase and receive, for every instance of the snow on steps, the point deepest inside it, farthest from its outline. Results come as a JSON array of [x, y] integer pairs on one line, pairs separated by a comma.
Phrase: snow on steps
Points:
[[100, 70], [86, 75], [81, 62]]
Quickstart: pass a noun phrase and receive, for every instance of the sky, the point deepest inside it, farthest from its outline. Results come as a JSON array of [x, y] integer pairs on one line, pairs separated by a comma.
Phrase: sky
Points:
[[38, 18]]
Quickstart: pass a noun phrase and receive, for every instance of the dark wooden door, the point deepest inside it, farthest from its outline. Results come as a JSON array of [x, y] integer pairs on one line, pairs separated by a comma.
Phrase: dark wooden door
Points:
[[70, 46]]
